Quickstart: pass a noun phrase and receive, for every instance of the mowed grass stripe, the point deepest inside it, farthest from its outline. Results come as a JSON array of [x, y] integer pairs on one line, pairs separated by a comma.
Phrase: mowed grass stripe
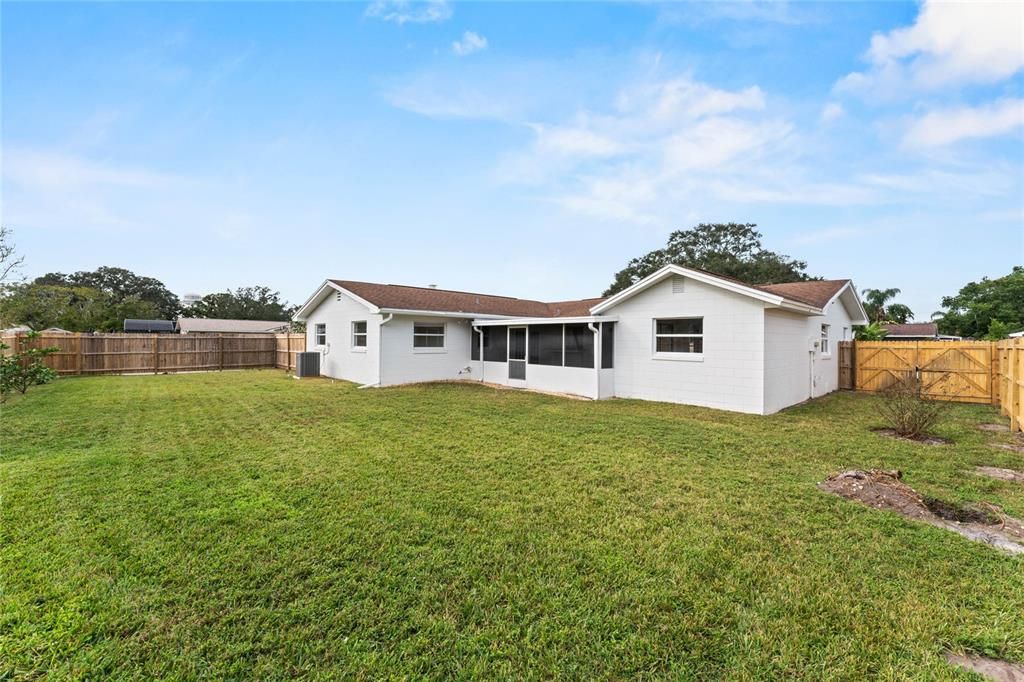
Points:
[[247, 525]]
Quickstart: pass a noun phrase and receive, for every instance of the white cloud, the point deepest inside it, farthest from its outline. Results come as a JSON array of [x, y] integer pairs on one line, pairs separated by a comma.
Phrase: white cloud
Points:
[[410, 11], [949, 43], [471, 42], [43, 170], [831, 112], [946, 126]]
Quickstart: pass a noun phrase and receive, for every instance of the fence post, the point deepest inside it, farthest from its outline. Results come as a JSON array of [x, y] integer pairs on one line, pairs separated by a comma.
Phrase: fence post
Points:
[[78, 353], [288, 358], [220, 367], [156, 353], [1015, 355]]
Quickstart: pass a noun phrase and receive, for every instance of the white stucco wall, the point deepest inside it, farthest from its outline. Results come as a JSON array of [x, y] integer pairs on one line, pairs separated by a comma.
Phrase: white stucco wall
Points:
[[404, 364], [339, 359], [788, 359], [730, 375]]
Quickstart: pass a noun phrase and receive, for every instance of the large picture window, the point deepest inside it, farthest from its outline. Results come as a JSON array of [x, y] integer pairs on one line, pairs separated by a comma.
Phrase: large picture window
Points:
[[320, 334], [496, 344], [359, 334], [428, 336], [546, 344], [679, 335], [579, 346]]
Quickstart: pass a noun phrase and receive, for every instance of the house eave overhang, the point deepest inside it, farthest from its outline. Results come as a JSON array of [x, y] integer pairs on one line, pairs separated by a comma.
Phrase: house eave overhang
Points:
[[444, 313], [520, 321], [851, 300]]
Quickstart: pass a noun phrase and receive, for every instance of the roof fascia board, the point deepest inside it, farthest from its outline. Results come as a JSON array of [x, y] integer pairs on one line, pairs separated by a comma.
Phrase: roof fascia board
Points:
[[442, 313], [319, 295], [545, 320], [705, 278]]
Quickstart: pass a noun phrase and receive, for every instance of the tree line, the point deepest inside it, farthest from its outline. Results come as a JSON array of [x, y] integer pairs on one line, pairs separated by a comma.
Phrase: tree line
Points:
[[101, 299]]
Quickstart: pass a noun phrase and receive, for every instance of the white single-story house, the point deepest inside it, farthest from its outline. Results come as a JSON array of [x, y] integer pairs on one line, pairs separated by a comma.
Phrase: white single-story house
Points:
[[680, 335]]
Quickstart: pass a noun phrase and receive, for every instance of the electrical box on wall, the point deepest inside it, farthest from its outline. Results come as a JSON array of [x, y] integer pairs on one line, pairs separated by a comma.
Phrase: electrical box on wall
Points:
[[813, 344]]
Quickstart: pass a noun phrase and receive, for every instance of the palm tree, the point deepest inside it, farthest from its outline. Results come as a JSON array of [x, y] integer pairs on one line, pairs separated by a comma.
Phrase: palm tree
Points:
[[878, 308]]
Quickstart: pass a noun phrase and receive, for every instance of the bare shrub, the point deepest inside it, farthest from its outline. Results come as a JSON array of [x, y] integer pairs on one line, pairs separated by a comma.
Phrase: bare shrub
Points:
[[907, 411]]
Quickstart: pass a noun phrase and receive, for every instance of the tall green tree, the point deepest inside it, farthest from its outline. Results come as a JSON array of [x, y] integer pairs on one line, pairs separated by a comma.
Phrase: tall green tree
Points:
[[880, 310], [244, 303], [76, 309], [120, 285], [730, 249], [977, 304]]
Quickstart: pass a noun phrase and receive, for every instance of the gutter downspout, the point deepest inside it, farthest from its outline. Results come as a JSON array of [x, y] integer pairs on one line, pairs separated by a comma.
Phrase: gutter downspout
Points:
[[481, 333], [597, 360], [380, 350]]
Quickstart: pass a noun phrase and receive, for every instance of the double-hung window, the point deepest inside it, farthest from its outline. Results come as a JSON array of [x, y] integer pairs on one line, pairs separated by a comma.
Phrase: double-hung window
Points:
[[679, 335], [825, 349], [428, 336], [359, 334], [321, 334]]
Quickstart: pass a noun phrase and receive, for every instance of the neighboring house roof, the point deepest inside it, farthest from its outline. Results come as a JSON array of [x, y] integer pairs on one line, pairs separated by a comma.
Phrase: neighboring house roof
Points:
[[190, 325], [928, 329], [1016, 334], [148, 326]]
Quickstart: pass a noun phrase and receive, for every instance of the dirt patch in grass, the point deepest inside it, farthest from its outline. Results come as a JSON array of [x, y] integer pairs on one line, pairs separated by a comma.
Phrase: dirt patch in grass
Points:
[[991, 668], [994, 427], [1012, 447], [1001, 474], [926, 440], [885, 490]]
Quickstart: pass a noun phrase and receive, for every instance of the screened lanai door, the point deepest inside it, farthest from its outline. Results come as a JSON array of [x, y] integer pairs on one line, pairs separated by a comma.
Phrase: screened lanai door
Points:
[[517, 356]]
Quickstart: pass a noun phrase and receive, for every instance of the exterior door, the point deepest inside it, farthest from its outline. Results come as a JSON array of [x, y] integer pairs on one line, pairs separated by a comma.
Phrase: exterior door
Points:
[[517, 356]]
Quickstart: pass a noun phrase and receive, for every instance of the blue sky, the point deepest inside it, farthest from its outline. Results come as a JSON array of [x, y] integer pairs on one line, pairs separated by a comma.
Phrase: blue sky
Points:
[[528, 150]]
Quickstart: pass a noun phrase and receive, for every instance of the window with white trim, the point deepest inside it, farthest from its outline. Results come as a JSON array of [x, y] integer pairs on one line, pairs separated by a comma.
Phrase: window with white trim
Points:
[[426, 335], [321, 334], [825, 350], [359, 334], [679, 335]]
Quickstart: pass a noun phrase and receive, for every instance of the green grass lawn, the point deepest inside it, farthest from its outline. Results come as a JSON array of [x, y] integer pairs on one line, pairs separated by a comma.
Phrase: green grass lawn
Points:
[[251, 526]]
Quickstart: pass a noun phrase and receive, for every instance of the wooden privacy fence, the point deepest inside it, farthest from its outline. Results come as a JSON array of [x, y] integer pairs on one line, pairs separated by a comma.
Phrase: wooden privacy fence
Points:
[[990, 372], [134, 353]]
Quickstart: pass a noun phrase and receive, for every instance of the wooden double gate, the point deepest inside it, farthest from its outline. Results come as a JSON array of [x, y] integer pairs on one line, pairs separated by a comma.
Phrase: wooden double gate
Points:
[[990, 372]]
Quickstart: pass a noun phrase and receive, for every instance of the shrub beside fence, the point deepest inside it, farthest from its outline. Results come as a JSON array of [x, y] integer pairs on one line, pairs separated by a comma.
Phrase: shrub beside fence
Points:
[[990, 372], [85, 354]]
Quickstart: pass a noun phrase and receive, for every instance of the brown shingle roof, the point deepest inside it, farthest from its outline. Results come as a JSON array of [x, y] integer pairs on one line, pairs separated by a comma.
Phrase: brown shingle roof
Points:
[[817, 292], [912, 329], [403, 297]]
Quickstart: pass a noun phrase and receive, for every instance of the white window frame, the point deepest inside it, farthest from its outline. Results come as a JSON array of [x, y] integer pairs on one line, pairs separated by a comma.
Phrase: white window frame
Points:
[[826, 343], [320, 334], [356, 348], [677, 356], [443, 348]]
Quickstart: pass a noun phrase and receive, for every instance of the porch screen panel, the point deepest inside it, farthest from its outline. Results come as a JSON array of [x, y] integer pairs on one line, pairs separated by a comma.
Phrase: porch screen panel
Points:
[[546, 344], [496, 344], [474, 352], [579, 346], [607, 345]]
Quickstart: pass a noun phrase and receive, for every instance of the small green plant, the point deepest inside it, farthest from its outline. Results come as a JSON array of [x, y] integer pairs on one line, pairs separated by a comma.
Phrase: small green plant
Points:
[[24, 367], [997, 331], [870, 332], [909, 413]]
